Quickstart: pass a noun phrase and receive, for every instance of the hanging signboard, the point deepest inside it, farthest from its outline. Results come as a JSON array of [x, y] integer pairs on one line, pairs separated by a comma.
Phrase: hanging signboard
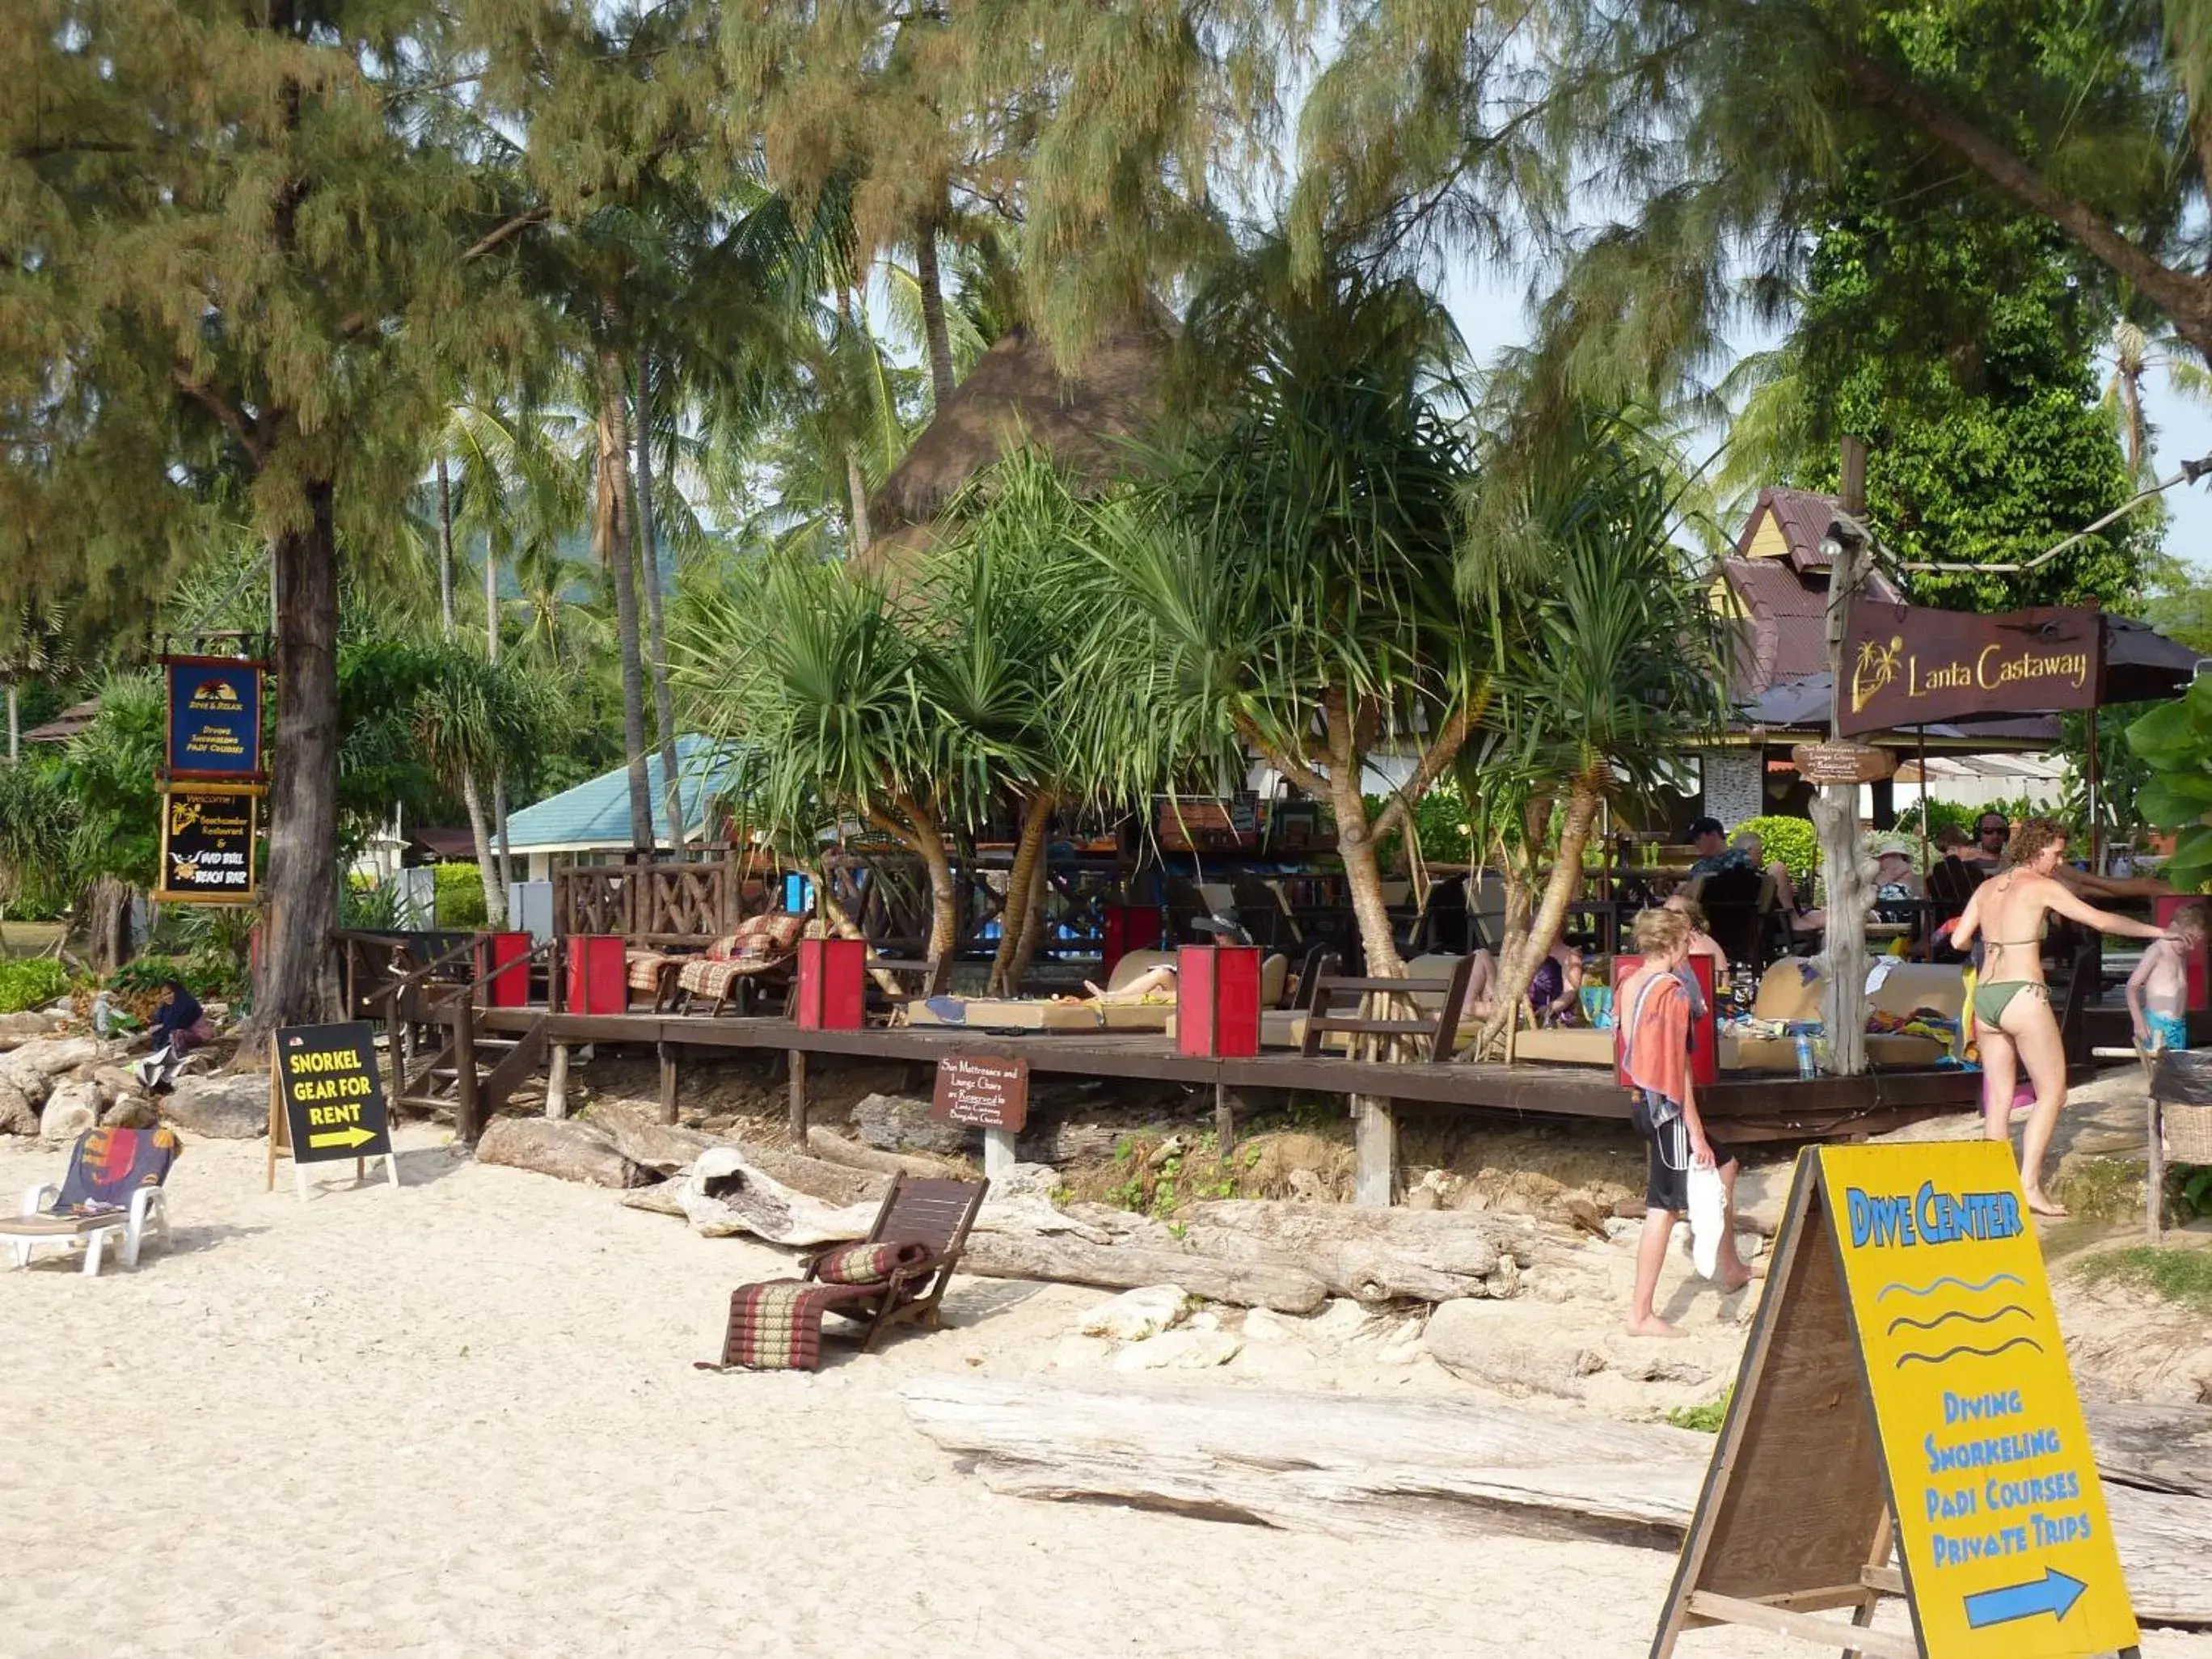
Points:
[[326, 1100], [1907, 1350], [1842, 763], [215, 717], [1907, 666], [207, 845]]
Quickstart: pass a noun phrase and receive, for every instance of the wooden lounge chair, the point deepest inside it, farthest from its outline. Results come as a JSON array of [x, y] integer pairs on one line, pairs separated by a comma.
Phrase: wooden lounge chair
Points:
[[929, 1217], [113, 1186]]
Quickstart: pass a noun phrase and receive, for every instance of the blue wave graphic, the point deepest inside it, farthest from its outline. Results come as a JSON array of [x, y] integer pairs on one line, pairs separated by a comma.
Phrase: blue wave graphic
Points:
[[1931, 1290], [1904, 1360], [1905, 1321]]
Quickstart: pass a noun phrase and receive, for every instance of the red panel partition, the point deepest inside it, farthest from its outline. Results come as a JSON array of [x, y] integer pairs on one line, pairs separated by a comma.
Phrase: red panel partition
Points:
[[1705, 1033], [495, 951], [599, 982], [1217, 1001], [1128, 927], [832, 991]]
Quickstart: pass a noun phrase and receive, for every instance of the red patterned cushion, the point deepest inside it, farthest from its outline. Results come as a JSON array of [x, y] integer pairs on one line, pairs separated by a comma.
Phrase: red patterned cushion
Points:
[[866, 1264]]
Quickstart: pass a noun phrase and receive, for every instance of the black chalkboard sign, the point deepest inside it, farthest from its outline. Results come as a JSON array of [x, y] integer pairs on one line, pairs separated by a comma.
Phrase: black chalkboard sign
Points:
[[326, 1098]]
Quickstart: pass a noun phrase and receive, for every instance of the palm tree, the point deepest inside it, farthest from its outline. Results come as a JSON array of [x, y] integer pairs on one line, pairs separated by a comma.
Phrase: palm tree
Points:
[[1290, 583], [1610, 661]]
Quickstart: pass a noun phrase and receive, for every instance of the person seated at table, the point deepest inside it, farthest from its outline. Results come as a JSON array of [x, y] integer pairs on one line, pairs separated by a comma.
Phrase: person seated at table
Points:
[[1702, 944], [1898, 889], [1714, 851], [1802, 918], [1555, 992]]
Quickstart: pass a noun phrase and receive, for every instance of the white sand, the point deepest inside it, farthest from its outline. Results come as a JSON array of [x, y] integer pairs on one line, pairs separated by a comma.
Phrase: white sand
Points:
[[460, 1419]]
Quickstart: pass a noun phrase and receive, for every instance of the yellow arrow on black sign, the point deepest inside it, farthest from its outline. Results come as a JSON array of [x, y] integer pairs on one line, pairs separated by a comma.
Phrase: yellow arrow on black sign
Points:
[[354, 1136]]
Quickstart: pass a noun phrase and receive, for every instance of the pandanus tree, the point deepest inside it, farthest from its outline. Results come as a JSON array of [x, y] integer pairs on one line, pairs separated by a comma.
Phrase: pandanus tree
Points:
[[1610, 661], [1287, 582]]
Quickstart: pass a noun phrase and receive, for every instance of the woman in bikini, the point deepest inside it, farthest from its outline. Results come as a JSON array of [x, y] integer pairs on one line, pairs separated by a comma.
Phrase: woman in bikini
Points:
[[2012, 1004]]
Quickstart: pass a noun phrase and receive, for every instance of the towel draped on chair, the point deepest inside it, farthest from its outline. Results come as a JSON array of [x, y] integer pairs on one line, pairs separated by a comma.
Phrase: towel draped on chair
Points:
[[110, 1165]]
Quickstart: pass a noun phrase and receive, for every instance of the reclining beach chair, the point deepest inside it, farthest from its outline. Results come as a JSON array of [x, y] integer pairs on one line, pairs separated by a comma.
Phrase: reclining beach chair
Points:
[[895, 1276], [762, 952], [113, 1186]]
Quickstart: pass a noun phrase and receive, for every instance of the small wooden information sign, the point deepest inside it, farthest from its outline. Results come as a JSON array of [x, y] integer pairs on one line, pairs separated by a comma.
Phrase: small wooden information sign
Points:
[[326, 1100], [1842, 763], [981, 1091], [1904, 1423]]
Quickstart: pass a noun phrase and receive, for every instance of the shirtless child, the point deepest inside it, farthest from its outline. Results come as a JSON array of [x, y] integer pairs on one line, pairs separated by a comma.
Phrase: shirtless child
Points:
[[2158, 990]]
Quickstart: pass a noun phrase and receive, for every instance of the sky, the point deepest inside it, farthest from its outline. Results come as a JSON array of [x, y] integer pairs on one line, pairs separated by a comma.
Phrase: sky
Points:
[[1492, 314]]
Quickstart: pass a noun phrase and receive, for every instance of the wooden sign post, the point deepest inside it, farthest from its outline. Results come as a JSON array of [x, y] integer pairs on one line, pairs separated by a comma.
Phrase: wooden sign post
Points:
[[1905, 1395], [326, 1101], [988, 1092]]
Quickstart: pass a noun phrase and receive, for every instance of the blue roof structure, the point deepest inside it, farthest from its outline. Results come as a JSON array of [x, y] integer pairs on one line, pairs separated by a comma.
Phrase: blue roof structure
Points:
[[595, 815]]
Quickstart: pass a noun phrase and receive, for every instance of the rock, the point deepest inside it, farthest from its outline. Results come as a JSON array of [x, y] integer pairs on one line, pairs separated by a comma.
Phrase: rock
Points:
[[1516, 1347], [1039, 1181], [116, 1081], [55, 1055], [1077, 1353], [17, 1028], [1342, 1319], [71, 1110], [131, 1112], [1136, 1315], [222, 1108], [19, 1113], [1192, 1351], [570, 1149], [1262, 1326], [901, 1123]]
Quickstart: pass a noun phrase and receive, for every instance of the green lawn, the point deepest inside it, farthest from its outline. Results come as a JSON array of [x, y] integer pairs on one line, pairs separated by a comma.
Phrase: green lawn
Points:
[[2182, 1274], [29, 939]]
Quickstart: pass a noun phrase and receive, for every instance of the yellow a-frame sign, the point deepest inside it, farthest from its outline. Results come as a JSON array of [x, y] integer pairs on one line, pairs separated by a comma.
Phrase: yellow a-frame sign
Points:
[[1904, 1423]]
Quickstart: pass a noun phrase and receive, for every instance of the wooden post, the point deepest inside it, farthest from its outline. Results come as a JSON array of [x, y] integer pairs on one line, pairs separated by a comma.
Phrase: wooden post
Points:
[[557, 1083], [1224, 1121], [2094, 783], [466, 1124], [1836, 809], [798, 1067], [395, 1047], [667, 1053], [1375, 1144]]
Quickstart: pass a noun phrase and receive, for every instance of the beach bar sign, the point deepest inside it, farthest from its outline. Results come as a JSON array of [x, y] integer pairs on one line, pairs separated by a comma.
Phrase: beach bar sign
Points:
[[207, 845], [215, 717], [1910, 666], [1905, 1395]]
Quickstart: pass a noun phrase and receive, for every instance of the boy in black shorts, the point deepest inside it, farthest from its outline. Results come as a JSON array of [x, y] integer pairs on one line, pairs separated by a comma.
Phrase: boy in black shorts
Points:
[[1652, 1009]]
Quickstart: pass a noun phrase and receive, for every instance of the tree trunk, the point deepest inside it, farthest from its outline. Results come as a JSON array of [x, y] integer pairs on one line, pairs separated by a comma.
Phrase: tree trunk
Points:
[[1033, 928], [445, 548], [856, 487], [612, 541], [495, 895], [1517, 960], [107, 925], [938, 338], [1017, 918], [944, 903], [649, 561], [499, 822], [14, 724], [297, 985], [1843, 997], [2130, 379]]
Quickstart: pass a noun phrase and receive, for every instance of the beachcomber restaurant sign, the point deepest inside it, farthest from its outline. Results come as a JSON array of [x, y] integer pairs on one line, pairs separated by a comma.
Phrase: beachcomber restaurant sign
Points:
[[1908, 666]]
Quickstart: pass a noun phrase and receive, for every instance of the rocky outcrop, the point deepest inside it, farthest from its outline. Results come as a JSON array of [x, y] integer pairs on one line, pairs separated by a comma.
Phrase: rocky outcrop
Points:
[[220, 1108]]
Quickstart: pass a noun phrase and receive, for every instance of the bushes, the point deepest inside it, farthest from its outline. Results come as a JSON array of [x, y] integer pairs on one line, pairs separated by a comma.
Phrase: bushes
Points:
[[211, 974], [32, 983], [460, 895], [1792, 840]]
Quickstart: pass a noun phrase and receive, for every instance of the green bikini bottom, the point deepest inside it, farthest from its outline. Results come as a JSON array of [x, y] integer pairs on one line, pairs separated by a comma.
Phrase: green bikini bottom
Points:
[[1991, 1000]]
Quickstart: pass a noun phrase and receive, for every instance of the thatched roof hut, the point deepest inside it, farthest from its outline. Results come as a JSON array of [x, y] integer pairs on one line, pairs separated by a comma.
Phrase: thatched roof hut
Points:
[[1016, 395]]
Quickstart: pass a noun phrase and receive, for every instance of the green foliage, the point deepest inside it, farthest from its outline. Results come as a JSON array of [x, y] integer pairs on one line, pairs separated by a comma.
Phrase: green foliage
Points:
[[209, 975], [1441, 822], [2175, 740], [1163, 1176], [1792, 840], [38, 819], [31, 983], [2179, 1273], [460, 899], [109, 767], [1706, 1419], [373, 906]]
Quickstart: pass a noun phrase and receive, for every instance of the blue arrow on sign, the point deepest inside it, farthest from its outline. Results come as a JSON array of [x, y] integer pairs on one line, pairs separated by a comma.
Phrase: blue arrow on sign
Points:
[[2055, 1593]]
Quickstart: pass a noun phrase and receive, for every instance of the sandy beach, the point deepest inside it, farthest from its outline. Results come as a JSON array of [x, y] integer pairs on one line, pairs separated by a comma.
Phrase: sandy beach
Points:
[[461, 1419]]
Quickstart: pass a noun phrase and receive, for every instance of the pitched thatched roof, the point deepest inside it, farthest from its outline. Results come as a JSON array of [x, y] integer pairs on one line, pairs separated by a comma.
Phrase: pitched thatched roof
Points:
[[1015, 395]]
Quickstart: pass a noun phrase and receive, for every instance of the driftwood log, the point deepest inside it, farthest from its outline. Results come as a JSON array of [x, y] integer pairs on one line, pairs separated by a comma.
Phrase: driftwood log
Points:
[[1071, 1259], [2156, 1448], [568, 1149], [832, 1147], [1329, 1464]]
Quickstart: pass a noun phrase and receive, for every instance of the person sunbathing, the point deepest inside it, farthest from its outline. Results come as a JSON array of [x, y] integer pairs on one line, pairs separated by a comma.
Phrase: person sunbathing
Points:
[[2014, 1022], [1150, 986]]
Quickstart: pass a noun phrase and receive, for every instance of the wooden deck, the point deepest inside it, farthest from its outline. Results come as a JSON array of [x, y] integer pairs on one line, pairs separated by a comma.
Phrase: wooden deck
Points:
[[1747, 1107]]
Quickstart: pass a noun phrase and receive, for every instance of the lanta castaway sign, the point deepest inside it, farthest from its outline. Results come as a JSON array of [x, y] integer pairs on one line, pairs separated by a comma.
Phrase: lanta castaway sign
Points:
[[1907, 666]]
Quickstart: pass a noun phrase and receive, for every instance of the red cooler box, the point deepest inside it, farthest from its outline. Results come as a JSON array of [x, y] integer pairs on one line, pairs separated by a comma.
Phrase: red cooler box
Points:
[[1217, 1001], [495, 951], [2162, 909], [1705, 1034], [832, 990], [599, 980]]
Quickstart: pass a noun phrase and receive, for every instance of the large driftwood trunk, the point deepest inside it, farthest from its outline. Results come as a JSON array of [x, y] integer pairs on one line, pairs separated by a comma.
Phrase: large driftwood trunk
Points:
[[1843, 999], [1352, 1468], [1068, 1259]]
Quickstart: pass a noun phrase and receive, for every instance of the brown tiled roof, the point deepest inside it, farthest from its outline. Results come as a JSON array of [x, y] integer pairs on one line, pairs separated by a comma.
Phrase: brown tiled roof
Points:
[[1803, 518], [1785, 601], [65, 725]]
